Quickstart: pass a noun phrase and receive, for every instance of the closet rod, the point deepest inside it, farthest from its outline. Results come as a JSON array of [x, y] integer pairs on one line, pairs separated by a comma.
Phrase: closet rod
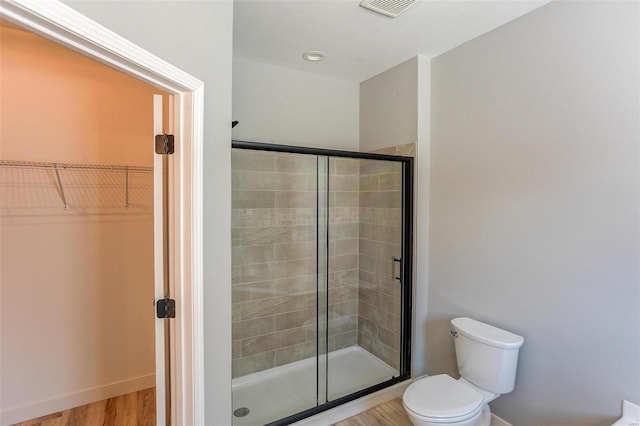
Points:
[[46, 165]]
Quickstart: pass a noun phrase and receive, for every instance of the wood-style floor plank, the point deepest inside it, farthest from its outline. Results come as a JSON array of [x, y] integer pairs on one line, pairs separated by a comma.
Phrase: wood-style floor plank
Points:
[[138, 409], [147, 407], [132, 409], [388, 414]]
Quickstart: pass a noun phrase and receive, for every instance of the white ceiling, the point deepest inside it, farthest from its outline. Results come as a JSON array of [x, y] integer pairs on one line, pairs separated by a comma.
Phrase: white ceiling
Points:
[[360, 43]]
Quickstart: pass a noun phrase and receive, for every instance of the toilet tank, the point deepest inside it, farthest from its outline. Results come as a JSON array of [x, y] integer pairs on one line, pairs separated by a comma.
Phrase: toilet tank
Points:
[[487, 356]]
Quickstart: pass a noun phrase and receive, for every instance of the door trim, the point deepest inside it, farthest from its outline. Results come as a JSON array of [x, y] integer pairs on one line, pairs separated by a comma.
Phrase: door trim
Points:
[[66, 26]]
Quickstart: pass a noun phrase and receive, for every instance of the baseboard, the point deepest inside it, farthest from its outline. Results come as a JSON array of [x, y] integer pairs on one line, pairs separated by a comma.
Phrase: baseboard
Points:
[[630, 414], [497, 421], [41, 408], [352, 408]]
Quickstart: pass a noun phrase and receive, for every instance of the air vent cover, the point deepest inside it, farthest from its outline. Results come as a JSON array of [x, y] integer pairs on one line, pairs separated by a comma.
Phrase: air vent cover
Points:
[[390, 8]]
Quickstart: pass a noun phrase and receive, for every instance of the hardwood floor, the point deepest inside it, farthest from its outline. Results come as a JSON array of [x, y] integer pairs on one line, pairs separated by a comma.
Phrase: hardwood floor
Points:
[[388, 414], [132, 409]]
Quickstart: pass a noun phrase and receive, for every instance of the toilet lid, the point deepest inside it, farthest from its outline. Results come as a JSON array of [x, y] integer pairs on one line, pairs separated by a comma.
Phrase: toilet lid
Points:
[[441, 397]]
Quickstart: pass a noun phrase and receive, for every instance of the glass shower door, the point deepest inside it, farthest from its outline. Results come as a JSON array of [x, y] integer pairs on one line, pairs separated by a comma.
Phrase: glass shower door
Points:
[[276, 279], [321, 303], [365, 289]]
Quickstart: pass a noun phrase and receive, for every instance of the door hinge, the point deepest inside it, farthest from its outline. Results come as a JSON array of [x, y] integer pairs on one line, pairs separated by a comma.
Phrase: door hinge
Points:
[[166, 308], [165, 144]]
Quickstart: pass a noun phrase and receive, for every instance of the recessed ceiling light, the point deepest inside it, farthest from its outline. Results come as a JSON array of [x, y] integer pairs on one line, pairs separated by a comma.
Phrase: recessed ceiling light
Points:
[[314, 56]]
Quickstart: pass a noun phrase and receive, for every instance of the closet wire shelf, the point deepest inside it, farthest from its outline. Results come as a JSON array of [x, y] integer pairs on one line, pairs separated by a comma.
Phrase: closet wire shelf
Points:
[[28, 185]]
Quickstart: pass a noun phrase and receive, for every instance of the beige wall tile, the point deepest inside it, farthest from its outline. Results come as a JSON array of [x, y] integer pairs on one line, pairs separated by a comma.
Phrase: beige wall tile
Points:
[[272, 306], [257, 181], [244, 159], [295, 353], [370, 248], [343, 182], [390, 304], [346, 199], [254, 291], [344, 340], [236, 180], [370, 296], [388, 151], [276, 181], [344, 166], [276, 235], [295, 319], [407, 150], [269, 342], [341, 231], [296, 285], [369, 312], [389, 321], [253, 363], [343, 262], [345, 278], [346, 246], [368, 278], [253, 199], [345, 308], [369, 182], [252, 254], [390, 182], [389, 338], [381, 199], [296, 163], [382, 233], [336, 326], [252, 328], [296, 250], [377, 167], [235, 349], [258, 272], [342, 294], [295, 199]]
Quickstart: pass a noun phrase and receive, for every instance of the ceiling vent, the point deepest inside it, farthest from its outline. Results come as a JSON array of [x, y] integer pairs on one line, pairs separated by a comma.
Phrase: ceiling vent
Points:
[[390, 8]]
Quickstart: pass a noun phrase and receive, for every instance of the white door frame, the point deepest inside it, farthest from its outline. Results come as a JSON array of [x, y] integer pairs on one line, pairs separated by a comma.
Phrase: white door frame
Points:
[[71, 29]]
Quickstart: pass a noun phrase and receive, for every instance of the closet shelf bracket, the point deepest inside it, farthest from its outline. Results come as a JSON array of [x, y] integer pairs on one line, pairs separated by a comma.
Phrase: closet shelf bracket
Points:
[[126, 186], [60, 188]]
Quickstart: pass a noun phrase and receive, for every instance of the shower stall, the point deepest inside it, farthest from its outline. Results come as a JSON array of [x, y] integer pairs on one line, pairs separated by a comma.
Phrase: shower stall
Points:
[[322, 250]]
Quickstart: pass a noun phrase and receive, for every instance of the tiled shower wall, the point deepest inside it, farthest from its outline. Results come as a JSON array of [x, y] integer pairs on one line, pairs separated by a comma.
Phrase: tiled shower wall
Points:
[[274, 258], [274, 239], [380, 239]]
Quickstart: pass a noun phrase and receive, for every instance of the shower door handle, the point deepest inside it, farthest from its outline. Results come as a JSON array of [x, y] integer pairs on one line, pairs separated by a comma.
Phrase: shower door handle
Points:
[[397, 276]]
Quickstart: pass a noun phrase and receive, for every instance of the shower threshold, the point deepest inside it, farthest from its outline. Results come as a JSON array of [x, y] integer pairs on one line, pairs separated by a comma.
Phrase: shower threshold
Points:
[[279, 392]]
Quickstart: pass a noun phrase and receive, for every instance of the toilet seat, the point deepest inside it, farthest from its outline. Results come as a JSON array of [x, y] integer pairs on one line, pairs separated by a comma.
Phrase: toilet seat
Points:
[[442, 399]]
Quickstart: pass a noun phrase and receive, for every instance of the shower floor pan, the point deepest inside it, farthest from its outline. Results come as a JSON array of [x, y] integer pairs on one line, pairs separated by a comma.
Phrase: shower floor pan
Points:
[[274, 394]]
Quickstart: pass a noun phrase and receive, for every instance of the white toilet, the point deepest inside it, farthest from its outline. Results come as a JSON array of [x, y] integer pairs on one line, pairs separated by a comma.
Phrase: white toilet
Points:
[[487, 359]]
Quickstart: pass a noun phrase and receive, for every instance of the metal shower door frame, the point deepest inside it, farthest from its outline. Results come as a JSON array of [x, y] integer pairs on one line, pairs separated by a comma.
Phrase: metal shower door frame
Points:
[[406, 270]]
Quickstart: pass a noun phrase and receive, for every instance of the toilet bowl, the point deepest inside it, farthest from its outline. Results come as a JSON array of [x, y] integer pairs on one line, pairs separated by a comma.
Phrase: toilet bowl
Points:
[[441, 400], [487, 358]]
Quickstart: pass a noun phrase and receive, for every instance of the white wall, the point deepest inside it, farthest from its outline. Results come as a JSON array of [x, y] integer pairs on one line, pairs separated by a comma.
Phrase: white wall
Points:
[[285, 106], [198, 41], [395, 109], [77, 285], [389, 107], [535, 206]]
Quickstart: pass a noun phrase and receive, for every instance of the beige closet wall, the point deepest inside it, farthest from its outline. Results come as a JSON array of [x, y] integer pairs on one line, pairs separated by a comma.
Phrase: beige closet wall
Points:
[[77, 309], [58, 105]]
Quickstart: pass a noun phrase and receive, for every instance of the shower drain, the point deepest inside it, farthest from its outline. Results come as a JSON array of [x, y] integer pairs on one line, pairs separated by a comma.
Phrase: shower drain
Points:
[[241, 412]]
